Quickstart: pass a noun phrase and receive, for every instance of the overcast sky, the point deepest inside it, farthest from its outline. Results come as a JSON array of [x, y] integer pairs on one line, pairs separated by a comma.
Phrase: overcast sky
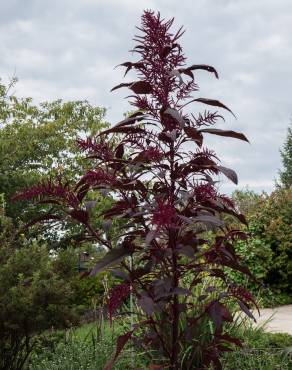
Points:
[[67, 49]]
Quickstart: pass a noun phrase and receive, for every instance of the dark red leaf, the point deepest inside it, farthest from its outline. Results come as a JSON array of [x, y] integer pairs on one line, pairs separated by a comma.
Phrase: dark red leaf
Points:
[[82, 191], [141, 87], [46, 217], [194, 134], [175, 115], [215, 103], [80, 216], [122, 85], [203, 67], [121, 342], [228, 172], [119, 151], [113, 257], [219, 313], [123, 130], [228, 338], [131, 120], [166, 50], [130, 65], [226, 133], [246, 310], [164, 137], [147, 305], [209, 219]]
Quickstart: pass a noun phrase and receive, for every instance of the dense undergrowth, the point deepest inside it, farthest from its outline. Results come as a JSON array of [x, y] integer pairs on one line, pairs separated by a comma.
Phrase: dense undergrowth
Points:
[[88, 348]]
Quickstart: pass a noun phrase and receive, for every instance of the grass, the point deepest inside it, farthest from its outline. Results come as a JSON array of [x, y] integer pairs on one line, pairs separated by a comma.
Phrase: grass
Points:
[[85, 348], [261, 350], [89, 348]]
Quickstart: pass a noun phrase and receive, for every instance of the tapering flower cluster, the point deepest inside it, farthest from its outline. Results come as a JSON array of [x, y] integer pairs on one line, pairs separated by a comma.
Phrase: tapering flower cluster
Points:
[[206, 118], [205, 192], [47, 190], [153, 154], [116, 296], [161, 56], [227, 201], [164, 214], [204, 157], [241, 293], [97, 177], [99, 149]]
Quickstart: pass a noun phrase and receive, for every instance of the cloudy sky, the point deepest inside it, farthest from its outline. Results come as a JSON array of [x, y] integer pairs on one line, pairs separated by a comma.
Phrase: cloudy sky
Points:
[[67, 49]]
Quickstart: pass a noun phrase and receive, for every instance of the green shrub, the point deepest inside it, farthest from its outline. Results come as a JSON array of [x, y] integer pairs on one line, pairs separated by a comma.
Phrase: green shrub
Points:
[[33, 297], [268, 252]]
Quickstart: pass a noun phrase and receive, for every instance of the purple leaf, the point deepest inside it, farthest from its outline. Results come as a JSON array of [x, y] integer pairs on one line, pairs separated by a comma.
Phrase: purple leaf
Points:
[[80, 216], [228, 172], [141, 87], [130, 65], [201, 66], [245, 309], [46, 217], [175, 115], [181, 291], [187, 250], [147, 305], [113, 257], [119, 152], [209, 219], [150, 236], [194, 134], [226, 133], [122, 85], [215, 103], [121, 342], [123, 130]]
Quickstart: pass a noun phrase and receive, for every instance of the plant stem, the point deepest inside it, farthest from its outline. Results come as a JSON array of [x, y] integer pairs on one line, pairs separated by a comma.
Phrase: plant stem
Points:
[[172, 245]]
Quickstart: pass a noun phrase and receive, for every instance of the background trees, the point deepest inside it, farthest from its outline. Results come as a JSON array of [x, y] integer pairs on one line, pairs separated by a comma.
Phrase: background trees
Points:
[[39, 141], [268, 251], [35, 295], [286, 153]]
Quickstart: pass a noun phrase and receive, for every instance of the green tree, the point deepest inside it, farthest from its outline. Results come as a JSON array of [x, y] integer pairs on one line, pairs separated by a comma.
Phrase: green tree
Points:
[[246, 200], [286, 154], [38, 141], [34, 295], [268, 251]]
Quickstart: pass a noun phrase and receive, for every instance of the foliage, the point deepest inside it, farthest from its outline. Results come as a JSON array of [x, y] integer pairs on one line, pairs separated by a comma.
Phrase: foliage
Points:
[[246, 201], [40, 140], [88, 294], [85, 349], [261, 350], [286, 154], [160, 178], [268, 250], [272, 224], [33, 297], [82, 348]]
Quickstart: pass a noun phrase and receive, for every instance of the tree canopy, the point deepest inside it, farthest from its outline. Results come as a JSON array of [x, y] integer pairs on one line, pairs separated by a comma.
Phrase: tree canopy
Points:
[[286, 154], [38, 141]]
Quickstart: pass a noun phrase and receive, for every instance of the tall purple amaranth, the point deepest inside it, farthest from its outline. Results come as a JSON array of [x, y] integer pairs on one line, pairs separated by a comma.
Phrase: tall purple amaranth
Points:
[[162, 181]]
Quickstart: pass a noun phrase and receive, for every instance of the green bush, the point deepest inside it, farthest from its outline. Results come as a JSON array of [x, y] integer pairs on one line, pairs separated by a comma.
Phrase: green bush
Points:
[[33, 297], [273, 221], [268, 252]]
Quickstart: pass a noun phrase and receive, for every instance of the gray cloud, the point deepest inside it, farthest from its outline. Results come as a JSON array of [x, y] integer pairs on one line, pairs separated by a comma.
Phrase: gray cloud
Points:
[[65, 49]]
